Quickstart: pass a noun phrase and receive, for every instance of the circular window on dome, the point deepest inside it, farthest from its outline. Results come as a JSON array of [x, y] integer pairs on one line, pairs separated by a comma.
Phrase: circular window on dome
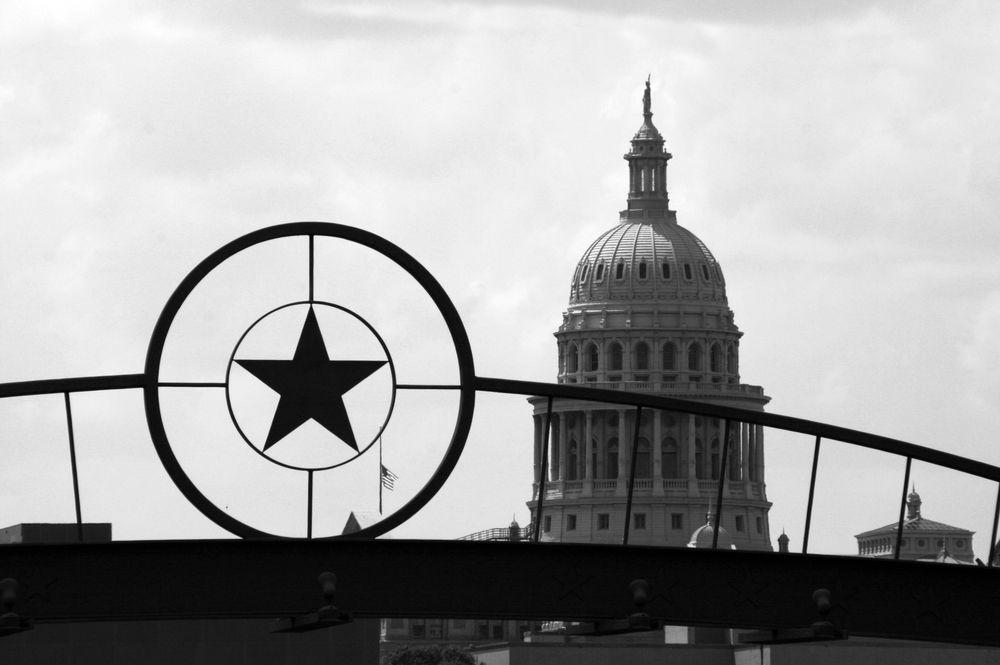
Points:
[[921, 542], [960, 543]]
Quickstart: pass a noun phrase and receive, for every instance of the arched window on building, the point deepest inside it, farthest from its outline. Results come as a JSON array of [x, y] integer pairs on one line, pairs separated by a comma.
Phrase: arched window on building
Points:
[[620, 270], [643, 269], [642, 356], [671, 462], [699, 459], [594, 468], [694, 357], [669, 356], [611, 465], [616, 357], [573, 358], [592, 358], [731, 359], [643, 468], [715, 359], [715, 459], [573, 462]]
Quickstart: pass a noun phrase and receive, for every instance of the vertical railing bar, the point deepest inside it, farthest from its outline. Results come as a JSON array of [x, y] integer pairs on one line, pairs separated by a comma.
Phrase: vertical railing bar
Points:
[[812, 492], [993, 538], [72, 461], [631, 474], [902, 510], [309, 510], [312, 266], [545, 471], [723, 463]]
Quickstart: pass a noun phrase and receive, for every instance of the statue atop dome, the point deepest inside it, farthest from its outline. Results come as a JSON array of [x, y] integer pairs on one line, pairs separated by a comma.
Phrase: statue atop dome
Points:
[[646, 100]]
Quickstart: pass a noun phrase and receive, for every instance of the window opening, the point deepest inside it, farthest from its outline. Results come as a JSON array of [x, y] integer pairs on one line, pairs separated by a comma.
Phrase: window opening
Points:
[[603, 521], [620, 270], [704, 271], [671, 466], [583, 273], [739, 522], [616, 357], [571, 522], [642, 270], [677, 521], [574, 359], [665, 268], [669, 356], [642, 356], [611, 468], [600, 272], [592, 358], [694, 358], [642, 465], [687, 271], [640, 520], [715, 359], [547, 526]]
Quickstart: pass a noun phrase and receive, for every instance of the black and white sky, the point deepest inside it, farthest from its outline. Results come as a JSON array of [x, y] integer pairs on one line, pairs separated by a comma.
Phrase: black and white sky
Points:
[[840, 159]]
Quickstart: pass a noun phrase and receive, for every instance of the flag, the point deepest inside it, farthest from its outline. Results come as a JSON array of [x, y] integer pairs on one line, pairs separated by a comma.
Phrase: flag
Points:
[[388, 478]]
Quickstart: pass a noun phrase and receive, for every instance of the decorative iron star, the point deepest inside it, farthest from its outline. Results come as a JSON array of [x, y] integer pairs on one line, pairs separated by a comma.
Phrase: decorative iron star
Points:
[[311, 386]]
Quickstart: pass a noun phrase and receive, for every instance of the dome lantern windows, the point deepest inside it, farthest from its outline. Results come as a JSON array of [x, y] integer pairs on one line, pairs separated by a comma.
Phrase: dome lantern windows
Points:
[[731, 359]]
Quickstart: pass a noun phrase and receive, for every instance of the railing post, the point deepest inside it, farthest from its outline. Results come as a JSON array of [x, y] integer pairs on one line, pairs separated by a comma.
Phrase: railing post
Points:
[[545, 471], [631, 474], [902, 510], [993, 538], [72, 461], [809, 506], [723, 463]]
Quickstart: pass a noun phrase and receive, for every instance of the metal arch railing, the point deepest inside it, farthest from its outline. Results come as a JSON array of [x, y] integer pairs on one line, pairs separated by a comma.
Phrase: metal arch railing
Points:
[[730, 414], [638, 400]]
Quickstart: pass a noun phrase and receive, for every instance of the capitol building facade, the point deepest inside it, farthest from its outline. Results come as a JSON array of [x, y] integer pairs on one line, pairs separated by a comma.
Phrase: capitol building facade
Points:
[[648, 312]]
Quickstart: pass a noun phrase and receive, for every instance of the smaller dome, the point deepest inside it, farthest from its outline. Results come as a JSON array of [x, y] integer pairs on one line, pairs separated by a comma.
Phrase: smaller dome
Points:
[[703, 536]]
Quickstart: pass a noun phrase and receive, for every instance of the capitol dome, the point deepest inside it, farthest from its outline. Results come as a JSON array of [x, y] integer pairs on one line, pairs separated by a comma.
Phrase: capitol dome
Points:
[[648, 260]]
